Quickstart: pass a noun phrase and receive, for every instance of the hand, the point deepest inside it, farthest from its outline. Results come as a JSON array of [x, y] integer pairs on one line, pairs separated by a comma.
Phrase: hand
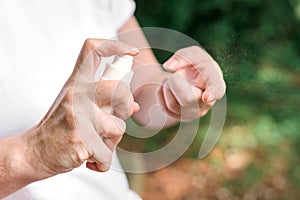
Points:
[[75, 129], [197, 83]]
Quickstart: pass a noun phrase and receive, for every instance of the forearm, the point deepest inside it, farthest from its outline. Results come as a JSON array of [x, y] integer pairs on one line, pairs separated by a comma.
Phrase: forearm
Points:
[[16, 166], [147, 80], [147, 93]]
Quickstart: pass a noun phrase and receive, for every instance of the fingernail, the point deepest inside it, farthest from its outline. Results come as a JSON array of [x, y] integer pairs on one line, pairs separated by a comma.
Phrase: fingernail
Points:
[[120, 123], [207, 97], [136, 107], [211, 97], [170, 64]]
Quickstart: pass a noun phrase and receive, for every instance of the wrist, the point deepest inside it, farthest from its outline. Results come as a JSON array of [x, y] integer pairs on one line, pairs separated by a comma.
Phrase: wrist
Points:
[[16, 164], [31, 156], [25, 162], [153, 111]]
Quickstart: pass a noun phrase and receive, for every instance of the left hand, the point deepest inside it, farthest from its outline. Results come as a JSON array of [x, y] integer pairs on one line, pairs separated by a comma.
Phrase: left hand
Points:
[[195, 85]]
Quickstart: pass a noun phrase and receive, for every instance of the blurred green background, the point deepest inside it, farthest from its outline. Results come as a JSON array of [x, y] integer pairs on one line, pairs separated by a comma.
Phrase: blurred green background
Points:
[[257, 44]]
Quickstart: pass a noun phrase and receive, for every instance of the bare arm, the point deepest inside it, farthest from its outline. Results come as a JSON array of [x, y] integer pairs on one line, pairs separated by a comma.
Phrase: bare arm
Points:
[[69, 134], [16, 167], [148, 75], [187, 93]]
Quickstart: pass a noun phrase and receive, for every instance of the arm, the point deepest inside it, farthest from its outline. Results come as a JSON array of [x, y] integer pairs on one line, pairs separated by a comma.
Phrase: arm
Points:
[[187, 93], [16, 167], [147, 71], [75, 129]]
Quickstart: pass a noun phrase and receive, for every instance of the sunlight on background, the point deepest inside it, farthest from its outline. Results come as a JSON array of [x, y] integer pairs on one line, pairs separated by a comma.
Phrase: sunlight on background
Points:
[[256, 42]]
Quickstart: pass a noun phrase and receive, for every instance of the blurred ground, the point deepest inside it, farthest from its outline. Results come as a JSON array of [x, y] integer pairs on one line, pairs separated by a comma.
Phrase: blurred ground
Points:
[[189, 179], [256, 43], [242, 166]]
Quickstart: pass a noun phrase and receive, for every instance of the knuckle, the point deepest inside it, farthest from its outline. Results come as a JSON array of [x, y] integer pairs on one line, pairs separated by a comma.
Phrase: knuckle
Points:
[[118, 134], [122, 111], [187, 51], [68, 96], [81, 155], [111, 131], [103, 159], [169, 99], [188, 100], [73, 153], [171, 104], [116, 131], [106, 158], [196, 48], [89, 42], [221, 89]]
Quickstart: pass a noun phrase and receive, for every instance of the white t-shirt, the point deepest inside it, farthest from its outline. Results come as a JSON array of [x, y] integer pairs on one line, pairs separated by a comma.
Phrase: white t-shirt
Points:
[[40, 42]]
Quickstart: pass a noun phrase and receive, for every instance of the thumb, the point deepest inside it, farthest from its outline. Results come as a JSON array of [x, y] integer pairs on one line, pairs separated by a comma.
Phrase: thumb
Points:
[[91, 53], [175, 63]]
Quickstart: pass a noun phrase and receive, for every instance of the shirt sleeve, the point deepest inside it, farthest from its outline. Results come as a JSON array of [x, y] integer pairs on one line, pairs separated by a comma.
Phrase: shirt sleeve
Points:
[[121, 11]]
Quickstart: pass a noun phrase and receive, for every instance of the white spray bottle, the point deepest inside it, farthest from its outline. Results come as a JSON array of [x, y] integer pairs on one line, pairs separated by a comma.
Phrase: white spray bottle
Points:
[[119, 69]]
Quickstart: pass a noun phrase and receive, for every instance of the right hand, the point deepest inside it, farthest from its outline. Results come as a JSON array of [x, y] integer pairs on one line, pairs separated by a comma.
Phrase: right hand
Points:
[[75, 129]]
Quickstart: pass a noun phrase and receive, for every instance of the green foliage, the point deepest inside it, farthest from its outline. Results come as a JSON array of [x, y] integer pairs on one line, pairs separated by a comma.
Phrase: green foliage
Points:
[[257, 44]]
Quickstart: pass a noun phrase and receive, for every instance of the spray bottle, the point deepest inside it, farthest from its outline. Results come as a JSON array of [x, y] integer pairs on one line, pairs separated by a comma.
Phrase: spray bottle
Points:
[[119, 69]]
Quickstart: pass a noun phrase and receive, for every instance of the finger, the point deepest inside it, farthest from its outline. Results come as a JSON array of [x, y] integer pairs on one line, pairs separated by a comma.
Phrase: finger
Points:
[[188, 56], [216, 88], [104, 92], [111, 128], [101, 153], [181, 99], [193, 77], [89, 132], [182, 90], [207, 68], [116, 94], [136, 107], [170, 101], [94, 165], [87, 125], [108, 48], [109, 135], [123, 108], [91, 53], [175, 63]]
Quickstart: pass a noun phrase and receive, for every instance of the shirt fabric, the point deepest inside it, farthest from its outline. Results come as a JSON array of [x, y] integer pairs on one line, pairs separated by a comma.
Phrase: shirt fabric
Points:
[[40, 42]]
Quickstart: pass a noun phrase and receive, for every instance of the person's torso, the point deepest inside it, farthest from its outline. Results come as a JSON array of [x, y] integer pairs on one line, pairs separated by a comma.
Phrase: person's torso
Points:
[[40, 41]]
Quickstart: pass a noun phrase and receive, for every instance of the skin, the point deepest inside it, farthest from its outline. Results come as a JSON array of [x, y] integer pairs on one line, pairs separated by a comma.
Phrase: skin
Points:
[[188, 92], [61, 142], [55, 145]]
